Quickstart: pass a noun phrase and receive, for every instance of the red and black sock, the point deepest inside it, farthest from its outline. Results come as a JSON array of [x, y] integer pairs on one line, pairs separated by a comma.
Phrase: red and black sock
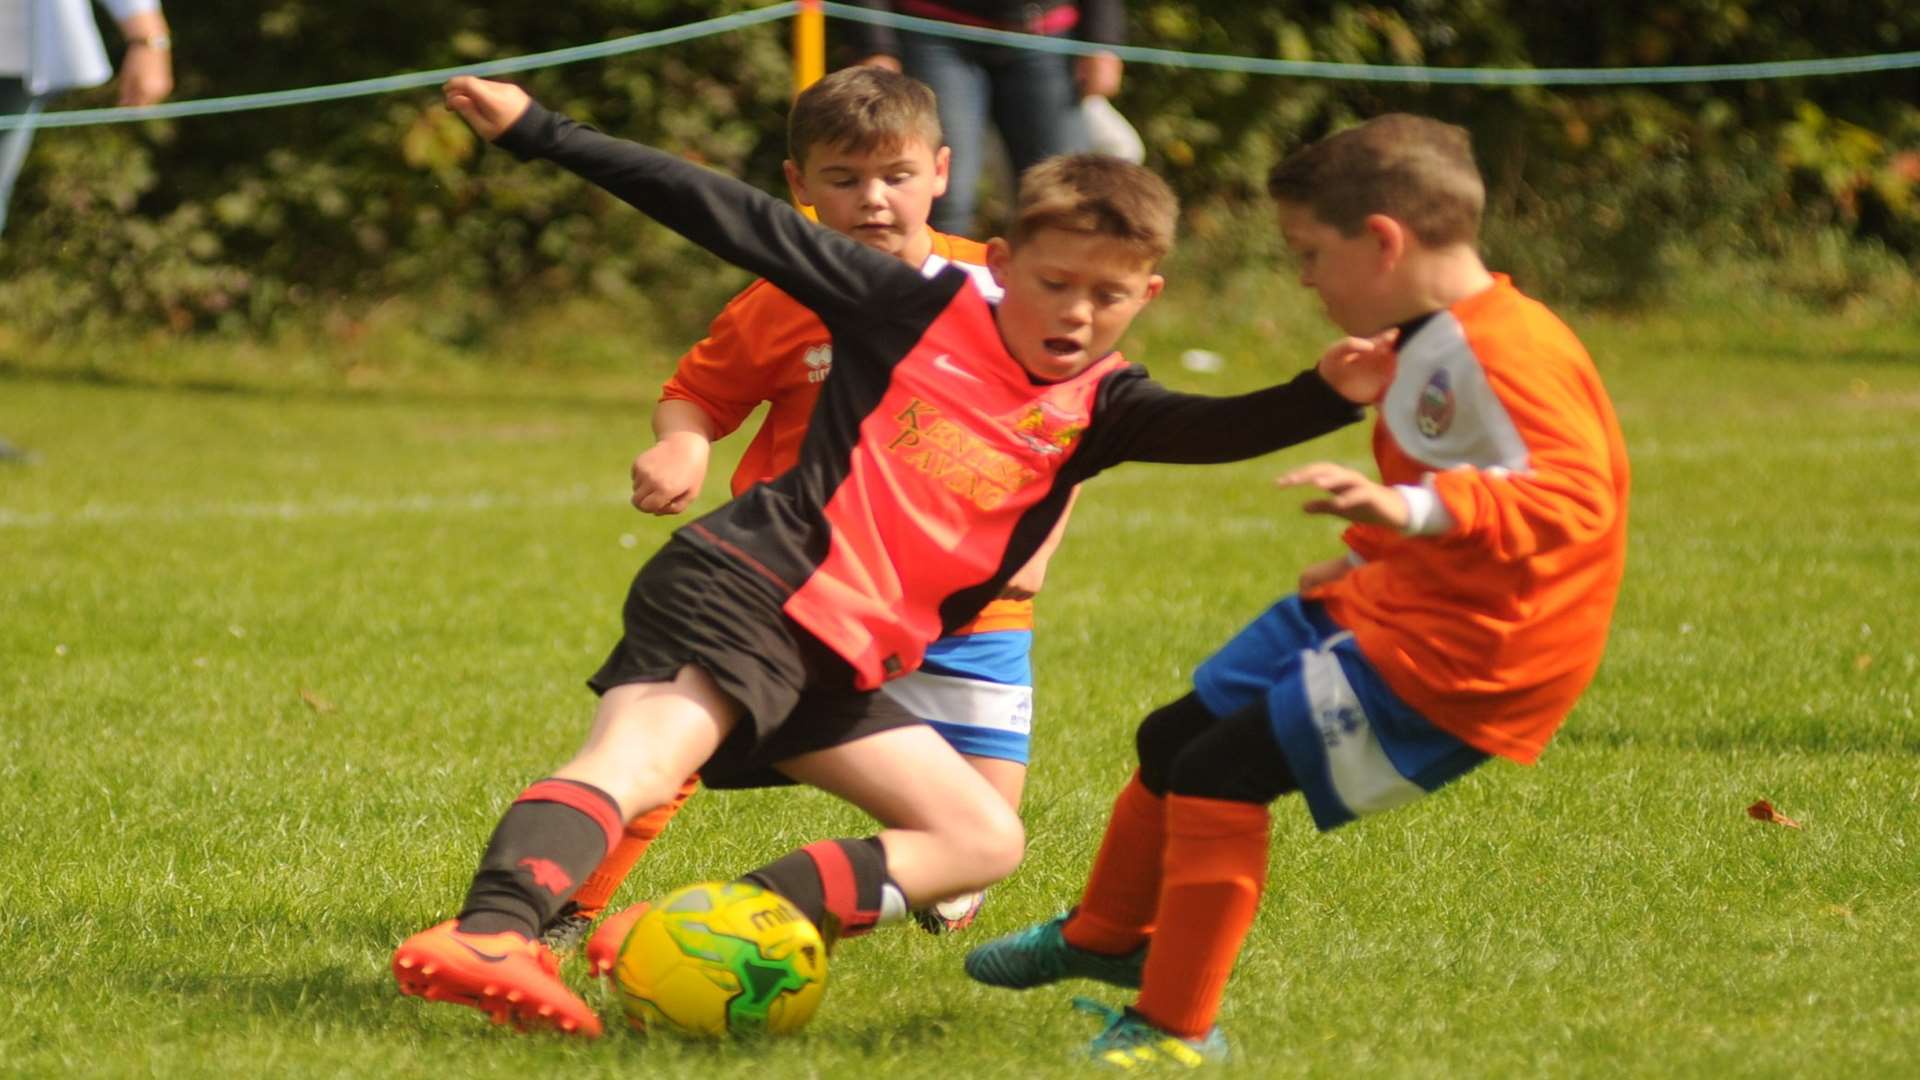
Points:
[[842, 885], [550, 839]]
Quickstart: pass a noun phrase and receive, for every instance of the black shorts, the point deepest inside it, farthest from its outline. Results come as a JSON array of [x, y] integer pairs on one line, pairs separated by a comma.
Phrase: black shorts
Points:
[[692, 605]]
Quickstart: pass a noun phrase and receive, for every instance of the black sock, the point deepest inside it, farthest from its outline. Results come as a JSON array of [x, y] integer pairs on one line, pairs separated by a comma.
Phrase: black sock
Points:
[[548, 841], [842, 885]]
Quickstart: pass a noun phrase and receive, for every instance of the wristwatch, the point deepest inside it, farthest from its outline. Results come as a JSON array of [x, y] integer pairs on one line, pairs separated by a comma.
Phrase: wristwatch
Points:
[[162, 42]]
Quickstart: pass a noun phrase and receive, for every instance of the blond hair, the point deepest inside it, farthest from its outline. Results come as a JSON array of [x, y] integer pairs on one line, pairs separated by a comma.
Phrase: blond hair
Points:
[[1413, 169], [862, 109], [1101, 196]]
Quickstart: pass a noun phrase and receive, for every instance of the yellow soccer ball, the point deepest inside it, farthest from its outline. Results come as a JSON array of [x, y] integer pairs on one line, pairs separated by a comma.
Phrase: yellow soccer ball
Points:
[[722, 958]]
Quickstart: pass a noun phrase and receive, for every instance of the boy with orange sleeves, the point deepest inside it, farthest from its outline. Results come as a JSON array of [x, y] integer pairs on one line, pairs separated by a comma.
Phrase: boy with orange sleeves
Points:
[[1466, 617], [866, 153]]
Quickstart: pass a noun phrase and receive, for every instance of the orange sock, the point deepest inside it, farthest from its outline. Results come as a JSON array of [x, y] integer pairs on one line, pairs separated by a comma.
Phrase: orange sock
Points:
[[618, 863], [1216, 867], [1116, 915]]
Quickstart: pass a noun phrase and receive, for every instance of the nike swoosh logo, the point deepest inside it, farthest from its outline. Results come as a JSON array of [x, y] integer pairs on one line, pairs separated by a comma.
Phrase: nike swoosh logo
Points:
[[945, 363], [488, 957]]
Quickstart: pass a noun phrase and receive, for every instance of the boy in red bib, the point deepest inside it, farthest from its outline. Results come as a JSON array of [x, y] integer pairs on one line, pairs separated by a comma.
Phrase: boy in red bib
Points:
[[866, 155]]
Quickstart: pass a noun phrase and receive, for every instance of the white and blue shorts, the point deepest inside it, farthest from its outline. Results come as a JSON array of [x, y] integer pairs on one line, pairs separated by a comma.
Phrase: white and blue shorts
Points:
[[976, 690], [1354, 747]]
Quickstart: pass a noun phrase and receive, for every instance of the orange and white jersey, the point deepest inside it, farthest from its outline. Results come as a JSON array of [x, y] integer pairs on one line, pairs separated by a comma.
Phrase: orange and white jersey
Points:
[[1497, 427], [764, 346]]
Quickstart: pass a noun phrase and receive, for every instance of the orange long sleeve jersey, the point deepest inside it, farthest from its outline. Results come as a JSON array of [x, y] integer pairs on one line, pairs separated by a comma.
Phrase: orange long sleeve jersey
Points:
[[1493, 626]]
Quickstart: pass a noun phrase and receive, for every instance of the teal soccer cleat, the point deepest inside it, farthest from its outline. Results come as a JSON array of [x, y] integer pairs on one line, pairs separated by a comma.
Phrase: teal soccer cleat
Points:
[[1131, 1042], [1040, 955]]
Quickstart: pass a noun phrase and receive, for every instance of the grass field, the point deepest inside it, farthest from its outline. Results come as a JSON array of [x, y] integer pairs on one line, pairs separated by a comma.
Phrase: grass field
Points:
[[284, 630]]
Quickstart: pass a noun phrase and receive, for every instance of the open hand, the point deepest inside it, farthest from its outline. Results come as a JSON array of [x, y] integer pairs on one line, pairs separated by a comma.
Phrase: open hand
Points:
[[1360, 368], [488, 107], [1351, 495]]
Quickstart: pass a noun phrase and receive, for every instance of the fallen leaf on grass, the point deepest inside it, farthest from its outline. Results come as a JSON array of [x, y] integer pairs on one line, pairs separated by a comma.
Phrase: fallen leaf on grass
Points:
[[1764, 811], [322, 705]]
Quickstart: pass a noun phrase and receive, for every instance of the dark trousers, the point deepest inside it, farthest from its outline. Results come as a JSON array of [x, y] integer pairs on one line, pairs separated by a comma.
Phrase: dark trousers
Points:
[[1029, 96]]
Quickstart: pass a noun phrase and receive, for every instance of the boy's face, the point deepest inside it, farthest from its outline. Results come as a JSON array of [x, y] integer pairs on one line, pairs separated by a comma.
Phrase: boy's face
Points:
[[1351, 274], [1069, 298], [879, 197]]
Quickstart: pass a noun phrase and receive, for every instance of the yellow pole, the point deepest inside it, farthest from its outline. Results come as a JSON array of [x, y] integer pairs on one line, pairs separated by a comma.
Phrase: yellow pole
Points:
[[809, 54], [809, 45]]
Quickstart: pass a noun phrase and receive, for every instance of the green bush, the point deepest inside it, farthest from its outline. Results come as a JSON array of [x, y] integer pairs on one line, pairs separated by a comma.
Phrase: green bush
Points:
[[255, 221]]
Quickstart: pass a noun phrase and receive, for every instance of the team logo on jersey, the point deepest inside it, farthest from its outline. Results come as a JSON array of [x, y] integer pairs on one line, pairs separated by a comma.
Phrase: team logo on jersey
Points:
[[819, 361], [1434, 414], [1046, 430], [955, 457]]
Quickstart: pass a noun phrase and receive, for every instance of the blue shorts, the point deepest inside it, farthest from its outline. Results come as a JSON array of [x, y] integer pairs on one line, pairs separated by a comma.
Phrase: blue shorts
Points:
[[976, 690], [1355, 748]]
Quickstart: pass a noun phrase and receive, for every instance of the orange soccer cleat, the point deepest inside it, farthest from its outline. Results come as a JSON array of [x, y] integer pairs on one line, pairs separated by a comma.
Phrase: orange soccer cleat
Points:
[[603, 948], [503, 975]]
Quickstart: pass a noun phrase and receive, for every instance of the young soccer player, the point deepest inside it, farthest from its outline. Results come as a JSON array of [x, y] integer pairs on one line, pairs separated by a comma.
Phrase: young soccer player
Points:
[[1466, 617], [940, 457], [866, 154]]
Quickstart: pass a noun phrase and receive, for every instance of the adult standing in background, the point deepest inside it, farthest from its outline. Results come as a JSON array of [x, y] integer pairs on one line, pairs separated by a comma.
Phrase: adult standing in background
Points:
[[47, 46], [1032, 97]]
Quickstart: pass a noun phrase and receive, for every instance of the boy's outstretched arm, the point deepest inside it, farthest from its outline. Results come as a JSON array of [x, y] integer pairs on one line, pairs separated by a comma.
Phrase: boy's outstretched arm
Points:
[[1140, 420], [829, 273], [1567, 494]]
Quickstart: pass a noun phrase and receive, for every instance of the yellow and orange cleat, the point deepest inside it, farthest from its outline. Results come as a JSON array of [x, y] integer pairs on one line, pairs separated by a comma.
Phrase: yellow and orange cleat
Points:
[[603, 948], [503, 975]]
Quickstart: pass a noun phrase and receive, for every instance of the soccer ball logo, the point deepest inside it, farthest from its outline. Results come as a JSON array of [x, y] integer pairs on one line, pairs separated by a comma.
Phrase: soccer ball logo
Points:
[[1434, 413], [722, 958]]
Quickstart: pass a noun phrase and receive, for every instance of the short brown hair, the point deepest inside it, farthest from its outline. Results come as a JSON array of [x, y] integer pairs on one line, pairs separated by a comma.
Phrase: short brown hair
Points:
[[1097, 195], [862, 109], [1413, 169]]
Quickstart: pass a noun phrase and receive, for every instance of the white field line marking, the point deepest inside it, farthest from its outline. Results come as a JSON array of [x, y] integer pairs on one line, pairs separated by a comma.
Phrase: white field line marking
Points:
[[289, 510]]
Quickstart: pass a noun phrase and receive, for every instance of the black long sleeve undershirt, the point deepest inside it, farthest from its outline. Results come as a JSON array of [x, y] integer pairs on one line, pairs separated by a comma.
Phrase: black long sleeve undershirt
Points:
[[834, 276]]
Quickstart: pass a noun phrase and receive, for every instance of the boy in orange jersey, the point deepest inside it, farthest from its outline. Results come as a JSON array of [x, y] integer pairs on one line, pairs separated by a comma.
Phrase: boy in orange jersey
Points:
[[866, 153], [1466, 617], [940, 457]]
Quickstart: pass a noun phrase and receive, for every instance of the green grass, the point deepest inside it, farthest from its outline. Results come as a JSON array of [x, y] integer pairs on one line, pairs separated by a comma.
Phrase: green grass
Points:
[[284, 629]]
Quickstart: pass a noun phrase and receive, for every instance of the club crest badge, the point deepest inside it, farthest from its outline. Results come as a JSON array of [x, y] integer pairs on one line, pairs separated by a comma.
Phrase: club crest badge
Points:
[[1047, 430], [1434, 413], [819, 361]]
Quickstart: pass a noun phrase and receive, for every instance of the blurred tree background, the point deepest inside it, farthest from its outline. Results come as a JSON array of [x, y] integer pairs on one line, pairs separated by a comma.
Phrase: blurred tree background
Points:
[[259, 221]]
